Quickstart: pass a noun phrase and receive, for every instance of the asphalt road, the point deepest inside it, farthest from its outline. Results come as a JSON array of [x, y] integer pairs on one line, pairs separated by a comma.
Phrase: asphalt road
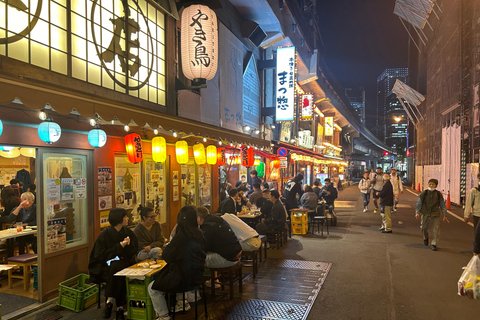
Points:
[[387, 276]]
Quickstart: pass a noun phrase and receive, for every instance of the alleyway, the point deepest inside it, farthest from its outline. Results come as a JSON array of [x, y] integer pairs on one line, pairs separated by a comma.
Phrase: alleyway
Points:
[[375, 275]]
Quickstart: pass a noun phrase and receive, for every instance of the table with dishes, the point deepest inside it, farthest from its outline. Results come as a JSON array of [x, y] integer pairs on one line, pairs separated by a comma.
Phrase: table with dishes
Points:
[[12, 233], [251, 216]]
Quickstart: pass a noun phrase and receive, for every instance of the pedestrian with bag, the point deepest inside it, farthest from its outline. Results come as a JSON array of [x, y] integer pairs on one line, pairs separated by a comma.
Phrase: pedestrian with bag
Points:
[[386, 202], [365, 186], [396, 182], [472, 205], [430, 207], [377, 183]]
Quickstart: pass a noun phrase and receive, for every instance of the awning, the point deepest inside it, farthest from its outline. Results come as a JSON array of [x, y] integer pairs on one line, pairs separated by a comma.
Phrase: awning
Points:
[[416, 12], [410, 99], [36, 97]]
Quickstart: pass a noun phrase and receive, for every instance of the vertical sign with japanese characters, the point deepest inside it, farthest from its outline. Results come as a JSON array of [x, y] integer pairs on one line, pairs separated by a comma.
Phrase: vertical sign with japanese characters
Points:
[[285, 89], [307, 106], [328, 126]]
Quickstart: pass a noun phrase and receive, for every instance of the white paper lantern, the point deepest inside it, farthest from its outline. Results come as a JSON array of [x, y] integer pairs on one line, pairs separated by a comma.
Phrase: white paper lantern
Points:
[[199, 42]]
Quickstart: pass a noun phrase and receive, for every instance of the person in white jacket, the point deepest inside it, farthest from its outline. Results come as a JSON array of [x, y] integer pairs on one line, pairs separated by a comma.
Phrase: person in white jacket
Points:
[[365, 185], [472, 205], [396, 182]]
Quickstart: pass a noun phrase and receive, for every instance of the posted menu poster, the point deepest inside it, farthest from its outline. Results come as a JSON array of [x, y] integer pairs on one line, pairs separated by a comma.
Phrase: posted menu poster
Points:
[[53, 190], [80, 188], [175, 194], [56, 237], [105, 203], [67, 188], [104, 219], [104, 180], [175, 178]]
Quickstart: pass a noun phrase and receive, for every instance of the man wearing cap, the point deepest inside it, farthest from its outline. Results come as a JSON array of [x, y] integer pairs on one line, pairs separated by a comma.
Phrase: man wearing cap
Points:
[[472, 205], [431, 206], [396, 182]]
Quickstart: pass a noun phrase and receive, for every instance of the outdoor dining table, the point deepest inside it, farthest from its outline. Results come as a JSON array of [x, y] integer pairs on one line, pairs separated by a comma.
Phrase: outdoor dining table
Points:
[[252, 219]]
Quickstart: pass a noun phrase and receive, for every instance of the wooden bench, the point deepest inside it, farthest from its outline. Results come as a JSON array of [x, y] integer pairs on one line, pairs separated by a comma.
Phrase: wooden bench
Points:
[[24, 261], [231, 274]]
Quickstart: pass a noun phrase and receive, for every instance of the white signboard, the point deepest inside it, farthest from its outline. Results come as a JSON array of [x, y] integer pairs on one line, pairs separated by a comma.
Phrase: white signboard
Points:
[[283, 162], [328, 126], [307, 106], [285, 73]]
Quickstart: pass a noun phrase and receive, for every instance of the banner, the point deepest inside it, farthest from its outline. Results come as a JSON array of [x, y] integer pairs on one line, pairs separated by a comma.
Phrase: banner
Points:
[[328, 126], [285, 100], [307, 106]]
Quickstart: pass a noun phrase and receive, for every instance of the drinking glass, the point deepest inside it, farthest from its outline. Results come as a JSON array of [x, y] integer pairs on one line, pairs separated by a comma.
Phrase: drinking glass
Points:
[[19, 226]]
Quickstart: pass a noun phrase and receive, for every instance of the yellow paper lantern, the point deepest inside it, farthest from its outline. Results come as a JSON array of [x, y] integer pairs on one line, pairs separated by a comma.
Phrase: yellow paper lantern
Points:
[[159, 149], [199, 42], [199, 153], [181, 151], [211, 155]]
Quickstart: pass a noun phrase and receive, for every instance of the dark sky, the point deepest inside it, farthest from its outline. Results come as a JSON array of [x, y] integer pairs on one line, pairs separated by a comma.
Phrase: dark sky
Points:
[[362, 38]]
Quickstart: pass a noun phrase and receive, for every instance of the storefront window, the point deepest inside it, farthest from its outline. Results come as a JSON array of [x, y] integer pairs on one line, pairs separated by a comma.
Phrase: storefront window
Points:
[[128, 188], [66, 204], [204, 186], [155, 188], [188, 183]]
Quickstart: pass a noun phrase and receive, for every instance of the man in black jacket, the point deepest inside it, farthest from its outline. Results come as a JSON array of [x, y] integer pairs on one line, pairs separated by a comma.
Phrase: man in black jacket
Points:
[[290, 191], [221, 243], [329, 193], [277, 218], [316, 189], [230, 204], [386, 203]]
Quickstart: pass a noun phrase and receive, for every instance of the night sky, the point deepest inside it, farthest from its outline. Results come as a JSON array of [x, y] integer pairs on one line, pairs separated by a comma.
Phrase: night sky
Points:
[[362, 38]]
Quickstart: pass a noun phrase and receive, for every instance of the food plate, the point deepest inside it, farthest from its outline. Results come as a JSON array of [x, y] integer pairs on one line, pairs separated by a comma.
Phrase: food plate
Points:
[[155, 266]]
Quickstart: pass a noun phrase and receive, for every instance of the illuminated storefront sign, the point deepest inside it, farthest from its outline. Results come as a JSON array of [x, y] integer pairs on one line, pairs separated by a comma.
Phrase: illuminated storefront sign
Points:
[[111, 45], [285, 101], [305, 139], [319, 134], [328, 126], [307, 106]]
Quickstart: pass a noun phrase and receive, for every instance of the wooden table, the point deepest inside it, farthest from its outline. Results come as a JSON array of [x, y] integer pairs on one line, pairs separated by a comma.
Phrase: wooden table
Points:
[[139, 303], [251, 219], [12, 233]]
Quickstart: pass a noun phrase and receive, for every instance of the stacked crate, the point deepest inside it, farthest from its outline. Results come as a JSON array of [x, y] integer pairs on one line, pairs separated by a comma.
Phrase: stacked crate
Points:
[[139, 303], [299, 222], [76, 293]]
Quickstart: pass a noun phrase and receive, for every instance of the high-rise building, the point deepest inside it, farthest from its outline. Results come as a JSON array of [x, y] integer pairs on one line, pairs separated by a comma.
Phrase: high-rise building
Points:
[[357, 101], [396, 122], [385, 82]]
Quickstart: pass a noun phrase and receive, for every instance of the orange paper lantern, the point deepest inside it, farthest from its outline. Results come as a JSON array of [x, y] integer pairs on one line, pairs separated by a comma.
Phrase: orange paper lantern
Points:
[[211, 155], [133, 145], [276, 163], [221, 156], [248, 159]]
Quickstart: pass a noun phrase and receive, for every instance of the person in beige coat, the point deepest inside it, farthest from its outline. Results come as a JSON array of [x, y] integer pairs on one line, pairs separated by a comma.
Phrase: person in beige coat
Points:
[[396, 182]]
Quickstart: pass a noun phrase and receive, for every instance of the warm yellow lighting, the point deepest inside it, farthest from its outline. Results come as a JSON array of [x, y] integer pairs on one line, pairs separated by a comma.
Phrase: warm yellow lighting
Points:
[[211, 155], [199, 153], [159, 149], [398, 119], [181, 152]]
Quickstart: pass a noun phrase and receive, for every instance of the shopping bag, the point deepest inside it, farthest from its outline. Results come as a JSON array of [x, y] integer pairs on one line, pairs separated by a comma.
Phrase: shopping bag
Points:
[[469, 282]]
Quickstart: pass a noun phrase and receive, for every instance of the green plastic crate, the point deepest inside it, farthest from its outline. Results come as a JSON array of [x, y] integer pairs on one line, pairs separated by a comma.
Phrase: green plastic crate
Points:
[[140, 309], [76, 294], [138, 288]]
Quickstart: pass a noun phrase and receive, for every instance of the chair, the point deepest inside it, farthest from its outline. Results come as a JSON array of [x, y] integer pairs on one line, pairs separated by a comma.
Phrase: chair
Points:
[[232, 273], [263, 238], [317, 221], [333, 215], [173, 296], [275, 237], [24, 261], [251, 258]]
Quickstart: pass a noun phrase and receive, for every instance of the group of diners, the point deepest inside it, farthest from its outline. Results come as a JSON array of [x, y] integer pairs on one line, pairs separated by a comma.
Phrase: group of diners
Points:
[[199, 240]]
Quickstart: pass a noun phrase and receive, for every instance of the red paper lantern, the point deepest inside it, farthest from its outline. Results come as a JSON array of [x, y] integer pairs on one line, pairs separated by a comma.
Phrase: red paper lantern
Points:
[[276, 163], [248, 159], [133, 145], [221, 156]]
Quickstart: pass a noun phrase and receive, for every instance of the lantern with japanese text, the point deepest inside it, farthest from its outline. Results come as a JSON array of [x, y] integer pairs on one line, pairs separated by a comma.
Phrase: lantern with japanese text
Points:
[[97, 138], [49, 131], [211, 155], [199, 42], [247, 156], [133, 145], [276, 163], [159, 149], [221, 156], [199, 153], [181, 151]]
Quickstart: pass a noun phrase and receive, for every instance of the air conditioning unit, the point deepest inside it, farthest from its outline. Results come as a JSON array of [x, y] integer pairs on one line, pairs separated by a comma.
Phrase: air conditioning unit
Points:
[[253, 32]]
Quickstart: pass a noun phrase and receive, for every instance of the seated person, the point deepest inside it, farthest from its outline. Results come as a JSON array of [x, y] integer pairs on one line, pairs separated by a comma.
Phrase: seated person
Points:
[[242, 182], [316, 188], [230, 204], [26, 213], [187, 251], [114, 250], [329, 193], [32, 188], [267, 205], [257, 193], [149, 235], [309, 199], [14, 185], [264, 186], [278, 216], [9, 202], [242, 197], [221, 243], [248, 237]]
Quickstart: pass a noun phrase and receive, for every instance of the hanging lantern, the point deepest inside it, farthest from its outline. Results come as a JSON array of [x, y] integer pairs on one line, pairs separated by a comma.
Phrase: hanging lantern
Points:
[[97, 138], [1, 127], [211, 155], [256, 162], [159, 149], [49, 132], [247, 156], [199, 153], [276, 162], [199, 36], [133, 145], [13, 153], [181, 151], [28, 152], [261, 169], [221, 156]]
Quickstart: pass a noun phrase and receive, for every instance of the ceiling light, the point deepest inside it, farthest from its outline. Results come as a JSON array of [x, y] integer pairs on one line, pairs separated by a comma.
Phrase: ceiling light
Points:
[[42, 115], [155, 131], [175, 134], [204, 139], [93, 122], [126, 128]]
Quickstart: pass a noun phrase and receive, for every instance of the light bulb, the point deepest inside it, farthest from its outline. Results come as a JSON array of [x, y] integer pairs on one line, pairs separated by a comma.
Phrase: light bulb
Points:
[[93, 122], [257, 131], [219, 142], [155, 131], [272, 126], [204, 139], [42, 115], [175, 134], [126, 128]]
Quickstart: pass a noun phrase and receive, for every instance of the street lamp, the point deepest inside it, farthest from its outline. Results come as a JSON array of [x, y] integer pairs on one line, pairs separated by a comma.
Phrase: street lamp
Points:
[[397, 119]]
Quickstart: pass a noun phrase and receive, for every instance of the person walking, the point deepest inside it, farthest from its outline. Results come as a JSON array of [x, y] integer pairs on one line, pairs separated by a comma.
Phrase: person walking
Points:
[[386, 201], [472, 205], [396, 182], [377, 183], [431, 206], [372, 175], [365, 186]]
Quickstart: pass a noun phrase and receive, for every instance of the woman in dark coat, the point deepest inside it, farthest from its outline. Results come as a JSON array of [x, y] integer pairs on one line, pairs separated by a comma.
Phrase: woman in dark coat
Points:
[[187, 252], [114, 250]]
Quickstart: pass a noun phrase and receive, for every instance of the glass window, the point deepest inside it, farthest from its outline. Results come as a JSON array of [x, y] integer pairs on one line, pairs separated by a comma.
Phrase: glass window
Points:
[[66, 204], [188, 183], [155, 188], [128, 188]]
